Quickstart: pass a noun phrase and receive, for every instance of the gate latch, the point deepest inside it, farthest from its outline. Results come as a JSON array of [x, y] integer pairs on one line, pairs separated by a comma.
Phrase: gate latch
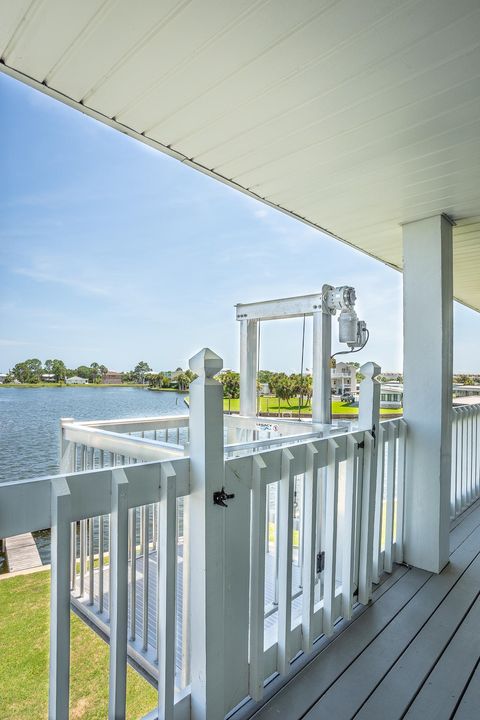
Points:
[[220, 496], [320, 562]]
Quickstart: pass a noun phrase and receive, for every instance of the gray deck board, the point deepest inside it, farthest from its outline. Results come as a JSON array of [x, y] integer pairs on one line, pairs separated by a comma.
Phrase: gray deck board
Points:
[[444, 686], [397, 655], [470, 521], [470, 702], [392, 697], [322, 672], [351, 690]]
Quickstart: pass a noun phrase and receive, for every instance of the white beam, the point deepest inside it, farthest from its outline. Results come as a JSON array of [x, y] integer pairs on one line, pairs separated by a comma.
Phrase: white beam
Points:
[[427, 400], [280, 309]]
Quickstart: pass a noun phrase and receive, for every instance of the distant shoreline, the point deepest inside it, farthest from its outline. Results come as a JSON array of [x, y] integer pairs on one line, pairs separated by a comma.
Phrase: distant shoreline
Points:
[[168, 390], [23, 386], [70, 385]]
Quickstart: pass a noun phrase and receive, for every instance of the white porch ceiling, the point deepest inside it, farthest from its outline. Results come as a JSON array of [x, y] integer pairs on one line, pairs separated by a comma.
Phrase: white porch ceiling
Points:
[[353, 116]]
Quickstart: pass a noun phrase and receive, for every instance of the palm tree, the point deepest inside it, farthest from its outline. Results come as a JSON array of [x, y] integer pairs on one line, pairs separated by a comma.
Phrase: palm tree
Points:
[[231, 386]]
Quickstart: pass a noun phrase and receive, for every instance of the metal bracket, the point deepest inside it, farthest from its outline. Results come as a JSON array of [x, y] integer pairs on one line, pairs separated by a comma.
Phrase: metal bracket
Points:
[[220, 496], [320, 562]]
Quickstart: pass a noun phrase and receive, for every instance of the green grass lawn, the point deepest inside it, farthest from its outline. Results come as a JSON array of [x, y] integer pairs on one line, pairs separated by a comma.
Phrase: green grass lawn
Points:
[[271, 405], [24, 633]]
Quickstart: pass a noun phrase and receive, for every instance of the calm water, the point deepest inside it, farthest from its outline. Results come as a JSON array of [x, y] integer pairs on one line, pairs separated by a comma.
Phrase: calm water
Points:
[[30, 420]]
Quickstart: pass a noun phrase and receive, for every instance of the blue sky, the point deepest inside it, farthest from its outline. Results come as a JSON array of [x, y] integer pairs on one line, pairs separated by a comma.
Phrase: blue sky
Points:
[[113, 252]]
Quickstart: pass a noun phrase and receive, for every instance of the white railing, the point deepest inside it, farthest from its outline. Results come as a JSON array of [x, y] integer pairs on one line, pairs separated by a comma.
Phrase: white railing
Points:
[[60, 502], [299, 536], [107, 443], [389, 496], [465, 485], [312, 552]]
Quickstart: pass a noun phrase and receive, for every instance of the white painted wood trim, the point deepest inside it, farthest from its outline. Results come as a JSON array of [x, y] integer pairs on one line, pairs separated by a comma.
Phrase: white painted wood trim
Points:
[[118, 596], [331, 516], [285, 522], [257, 579], [59, 676], [166, 623], [309, 574]]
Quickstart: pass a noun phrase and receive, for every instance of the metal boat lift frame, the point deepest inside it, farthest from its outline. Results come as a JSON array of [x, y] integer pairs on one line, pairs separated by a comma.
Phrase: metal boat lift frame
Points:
[[250, 314]]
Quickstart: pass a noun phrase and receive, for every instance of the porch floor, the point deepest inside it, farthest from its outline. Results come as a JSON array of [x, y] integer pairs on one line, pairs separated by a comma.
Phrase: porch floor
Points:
[[414, 652]]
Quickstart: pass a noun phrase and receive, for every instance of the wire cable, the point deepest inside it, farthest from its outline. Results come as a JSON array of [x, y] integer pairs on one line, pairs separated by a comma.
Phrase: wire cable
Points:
[[349, 352]]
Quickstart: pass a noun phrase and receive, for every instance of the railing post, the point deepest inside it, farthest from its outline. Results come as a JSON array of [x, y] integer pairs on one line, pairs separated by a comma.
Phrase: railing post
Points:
[[207, 539], [118, 596], [67, 450], [369, 400], [369, 419], [58, 699]]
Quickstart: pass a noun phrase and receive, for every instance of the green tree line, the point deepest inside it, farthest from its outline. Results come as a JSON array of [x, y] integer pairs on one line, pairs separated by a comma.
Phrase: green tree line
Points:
[[30, 372]]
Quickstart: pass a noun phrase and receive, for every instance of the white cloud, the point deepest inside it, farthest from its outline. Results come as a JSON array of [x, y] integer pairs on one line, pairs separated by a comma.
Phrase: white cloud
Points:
[[4, 342], [82, 286]]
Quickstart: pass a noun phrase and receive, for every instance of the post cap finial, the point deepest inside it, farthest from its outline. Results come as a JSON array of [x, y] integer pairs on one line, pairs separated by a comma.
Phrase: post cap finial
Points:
[[370, 370], [206, 363]]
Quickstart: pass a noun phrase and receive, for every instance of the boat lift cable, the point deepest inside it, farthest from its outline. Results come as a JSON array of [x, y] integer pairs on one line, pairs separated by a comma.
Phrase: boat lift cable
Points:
[[303, 347], [259, 335], [301, 366]]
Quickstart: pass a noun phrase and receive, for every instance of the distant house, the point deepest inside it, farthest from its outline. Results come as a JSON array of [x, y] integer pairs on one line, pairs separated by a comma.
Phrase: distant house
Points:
[[75, 380], [391, 395], [460, 390], [47, 377], [2, 377], [174, 375], [112, 377], [344, 378], [392, 376]]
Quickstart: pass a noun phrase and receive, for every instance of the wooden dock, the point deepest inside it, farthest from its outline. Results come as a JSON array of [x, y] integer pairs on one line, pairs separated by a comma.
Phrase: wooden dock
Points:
[[22, 553]]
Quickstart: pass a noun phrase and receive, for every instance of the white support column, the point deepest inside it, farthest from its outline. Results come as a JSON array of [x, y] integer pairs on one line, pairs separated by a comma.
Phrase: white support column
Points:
[[321, 372], [207, 534], [248, 367], [427, 399]]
